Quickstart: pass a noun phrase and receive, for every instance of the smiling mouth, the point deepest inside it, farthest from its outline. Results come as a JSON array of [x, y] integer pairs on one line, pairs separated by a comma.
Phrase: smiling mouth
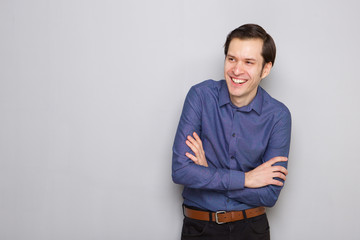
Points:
[[238, 81]]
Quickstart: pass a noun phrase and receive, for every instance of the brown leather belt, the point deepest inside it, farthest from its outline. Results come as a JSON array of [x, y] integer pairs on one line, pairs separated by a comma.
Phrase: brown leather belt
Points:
[[222, 216]]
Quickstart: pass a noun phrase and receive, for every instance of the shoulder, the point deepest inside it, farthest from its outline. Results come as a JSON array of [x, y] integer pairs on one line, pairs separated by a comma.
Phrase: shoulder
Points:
[[274, 106], [207, 87]]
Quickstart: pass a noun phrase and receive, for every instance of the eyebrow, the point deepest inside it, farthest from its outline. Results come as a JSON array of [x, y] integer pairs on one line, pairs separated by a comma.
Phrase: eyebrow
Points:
[[251, 59], [229, 55], [246, 59]]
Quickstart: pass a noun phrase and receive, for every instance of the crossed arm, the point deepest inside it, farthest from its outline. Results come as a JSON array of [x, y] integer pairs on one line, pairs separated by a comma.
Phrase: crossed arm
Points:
[[261, 176], [258, 187]]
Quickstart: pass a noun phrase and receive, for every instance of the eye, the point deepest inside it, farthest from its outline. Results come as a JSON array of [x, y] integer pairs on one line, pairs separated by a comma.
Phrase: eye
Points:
[[231, 59]]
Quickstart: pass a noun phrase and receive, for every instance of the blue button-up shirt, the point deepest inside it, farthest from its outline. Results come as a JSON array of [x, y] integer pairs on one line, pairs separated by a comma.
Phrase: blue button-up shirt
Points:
[[235, 140]]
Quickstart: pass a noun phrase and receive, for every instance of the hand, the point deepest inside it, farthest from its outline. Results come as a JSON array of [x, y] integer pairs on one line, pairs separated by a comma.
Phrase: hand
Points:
[[264, 174], [195, 144]]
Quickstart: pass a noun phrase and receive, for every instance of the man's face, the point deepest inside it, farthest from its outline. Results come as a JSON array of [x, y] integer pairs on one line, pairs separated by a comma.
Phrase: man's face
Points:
[[243, 69]]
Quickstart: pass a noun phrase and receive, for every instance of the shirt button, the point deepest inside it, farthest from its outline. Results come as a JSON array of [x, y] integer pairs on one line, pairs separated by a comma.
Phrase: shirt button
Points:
[[232, 157], [233, 134]]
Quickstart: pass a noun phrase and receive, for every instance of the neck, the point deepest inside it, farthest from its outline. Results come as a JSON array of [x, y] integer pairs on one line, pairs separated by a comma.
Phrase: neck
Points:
[[241, 102]]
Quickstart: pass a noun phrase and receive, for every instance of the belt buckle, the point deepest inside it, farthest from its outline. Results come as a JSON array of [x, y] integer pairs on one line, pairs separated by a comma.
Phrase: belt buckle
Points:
[[216, 217]]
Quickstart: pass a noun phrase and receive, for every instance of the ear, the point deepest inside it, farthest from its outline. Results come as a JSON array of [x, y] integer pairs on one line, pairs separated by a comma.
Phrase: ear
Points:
[[266, 70]]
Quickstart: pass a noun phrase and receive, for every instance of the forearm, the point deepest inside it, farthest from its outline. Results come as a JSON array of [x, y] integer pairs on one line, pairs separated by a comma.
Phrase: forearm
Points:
[[187, 173], [264, 196], [184, 170]]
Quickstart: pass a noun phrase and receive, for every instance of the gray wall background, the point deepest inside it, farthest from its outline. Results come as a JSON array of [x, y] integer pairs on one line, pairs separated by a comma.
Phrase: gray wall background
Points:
[[91, 93]]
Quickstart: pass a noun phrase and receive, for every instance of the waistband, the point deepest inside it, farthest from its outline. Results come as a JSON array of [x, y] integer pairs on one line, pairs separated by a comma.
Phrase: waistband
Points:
[[221, 217]]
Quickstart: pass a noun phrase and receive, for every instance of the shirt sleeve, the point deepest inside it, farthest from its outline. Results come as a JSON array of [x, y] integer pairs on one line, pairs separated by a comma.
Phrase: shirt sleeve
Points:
[[279, 145], [184, 170]]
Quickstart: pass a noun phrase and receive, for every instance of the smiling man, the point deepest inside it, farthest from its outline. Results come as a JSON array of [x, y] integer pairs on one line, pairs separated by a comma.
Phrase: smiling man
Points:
[[232, 143]]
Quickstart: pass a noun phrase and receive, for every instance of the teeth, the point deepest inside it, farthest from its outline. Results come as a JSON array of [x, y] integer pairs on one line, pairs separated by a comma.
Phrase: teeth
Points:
[[238, 80]]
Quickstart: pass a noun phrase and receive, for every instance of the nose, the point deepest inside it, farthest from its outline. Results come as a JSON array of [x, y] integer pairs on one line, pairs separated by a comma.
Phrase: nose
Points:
[[238, 68]]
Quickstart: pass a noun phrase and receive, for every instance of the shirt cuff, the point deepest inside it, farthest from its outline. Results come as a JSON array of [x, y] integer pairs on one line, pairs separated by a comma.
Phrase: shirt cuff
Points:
[[237, 180]]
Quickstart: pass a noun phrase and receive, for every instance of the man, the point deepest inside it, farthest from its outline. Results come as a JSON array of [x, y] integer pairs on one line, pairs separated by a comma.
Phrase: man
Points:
[[232, 143]]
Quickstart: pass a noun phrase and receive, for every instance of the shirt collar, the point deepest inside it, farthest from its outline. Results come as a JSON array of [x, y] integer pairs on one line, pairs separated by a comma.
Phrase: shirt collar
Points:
[[256, 104]]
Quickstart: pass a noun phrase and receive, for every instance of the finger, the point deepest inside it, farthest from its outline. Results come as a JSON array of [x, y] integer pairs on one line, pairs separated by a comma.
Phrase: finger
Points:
[[192, 157], [189, 144], [279, 175], [199, 145], [276, 160], [193, 141], [280, 169], [277, 183], [198, 151], [192, 147], [197, 138]]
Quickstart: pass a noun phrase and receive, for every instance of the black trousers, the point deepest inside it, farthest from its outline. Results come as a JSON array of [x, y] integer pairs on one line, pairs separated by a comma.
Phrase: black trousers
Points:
[[256, 228]]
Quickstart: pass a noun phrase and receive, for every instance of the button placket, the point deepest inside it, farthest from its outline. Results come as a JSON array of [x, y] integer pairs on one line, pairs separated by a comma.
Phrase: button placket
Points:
[[232, 148]]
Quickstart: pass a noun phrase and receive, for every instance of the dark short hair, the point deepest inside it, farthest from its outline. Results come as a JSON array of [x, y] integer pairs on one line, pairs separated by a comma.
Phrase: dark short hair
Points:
[[251, 31]]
